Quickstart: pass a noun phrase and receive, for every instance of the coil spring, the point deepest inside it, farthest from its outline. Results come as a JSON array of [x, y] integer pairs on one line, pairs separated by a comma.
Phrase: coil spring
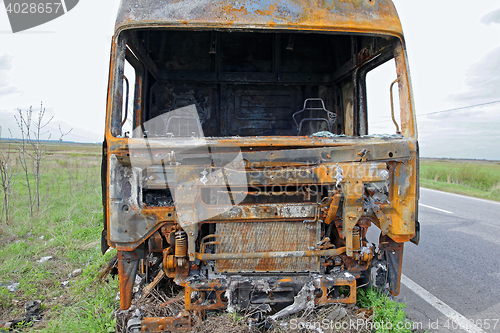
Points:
[[180, 244], [356, 240]]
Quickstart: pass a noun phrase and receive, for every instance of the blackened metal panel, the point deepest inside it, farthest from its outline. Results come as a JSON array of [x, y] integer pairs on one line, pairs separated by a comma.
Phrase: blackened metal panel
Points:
[[262, 110]]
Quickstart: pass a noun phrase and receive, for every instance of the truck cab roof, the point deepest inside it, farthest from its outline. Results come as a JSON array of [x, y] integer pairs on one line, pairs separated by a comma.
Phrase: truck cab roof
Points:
[[362, 16]]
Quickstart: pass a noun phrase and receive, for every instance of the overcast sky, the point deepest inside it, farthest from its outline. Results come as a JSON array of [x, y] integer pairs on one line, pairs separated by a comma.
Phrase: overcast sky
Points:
[[453, 49]]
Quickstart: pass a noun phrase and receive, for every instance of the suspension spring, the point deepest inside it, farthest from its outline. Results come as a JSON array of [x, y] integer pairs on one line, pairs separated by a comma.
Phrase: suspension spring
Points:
[[180, 244], [356, 239]]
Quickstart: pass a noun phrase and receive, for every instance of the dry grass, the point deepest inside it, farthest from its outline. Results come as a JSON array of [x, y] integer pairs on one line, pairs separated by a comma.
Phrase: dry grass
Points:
[[158, 304]]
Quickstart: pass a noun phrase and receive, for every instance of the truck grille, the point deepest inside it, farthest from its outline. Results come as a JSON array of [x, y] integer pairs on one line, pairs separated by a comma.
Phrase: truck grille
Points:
[[248, 237]]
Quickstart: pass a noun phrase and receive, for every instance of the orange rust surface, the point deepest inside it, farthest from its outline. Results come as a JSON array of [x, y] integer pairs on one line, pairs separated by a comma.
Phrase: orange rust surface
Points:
[[327, 299], [378, 16], [181, 323]]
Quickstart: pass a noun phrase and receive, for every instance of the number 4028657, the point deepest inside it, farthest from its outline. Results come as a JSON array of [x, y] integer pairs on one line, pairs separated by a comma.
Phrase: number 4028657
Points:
[[32, 8], [486, 324]]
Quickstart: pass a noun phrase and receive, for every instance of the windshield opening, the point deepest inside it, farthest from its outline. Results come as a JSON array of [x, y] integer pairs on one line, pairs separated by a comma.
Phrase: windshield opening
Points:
[[227, 84]]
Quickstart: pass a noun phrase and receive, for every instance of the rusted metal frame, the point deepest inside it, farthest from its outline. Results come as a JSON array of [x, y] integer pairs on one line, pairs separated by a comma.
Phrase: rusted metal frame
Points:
[[217, 304], [394, 256], [128, 262], [132, 59], [209, 286], [358, 59], [121, 146], [260, 213], [402, 197], [309, 157], [132, 246], [392, 106], [139, 91], [116, 111], [326, 284], [408, 116], [142, 53], [220, 288], [332, 208], [104, 193], [186, 209], [392, 219], [362, 122], [416, 239], [382, 58], [263, 255], [355, 102], [383, 223], [316, 175], [166, 324], [355, 265], [352, 211], [164, 214], [127, 93], [245, 214], [107, 134]]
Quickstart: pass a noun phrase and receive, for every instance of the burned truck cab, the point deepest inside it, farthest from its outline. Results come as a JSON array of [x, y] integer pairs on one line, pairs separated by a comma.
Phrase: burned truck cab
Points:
[[251, 146]]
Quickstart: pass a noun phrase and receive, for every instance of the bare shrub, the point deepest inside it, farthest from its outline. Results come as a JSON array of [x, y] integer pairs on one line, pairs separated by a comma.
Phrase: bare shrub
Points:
[[6, 183], [32, 148]]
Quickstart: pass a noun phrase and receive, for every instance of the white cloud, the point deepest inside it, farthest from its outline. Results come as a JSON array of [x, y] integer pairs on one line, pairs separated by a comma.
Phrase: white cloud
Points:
[[6, 66], [483, 80], [469, 133], [493, 17]]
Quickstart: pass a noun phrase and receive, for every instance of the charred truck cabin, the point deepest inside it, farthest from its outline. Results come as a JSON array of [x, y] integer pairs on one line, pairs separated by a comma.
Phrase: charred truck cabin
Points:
[[242, 160]]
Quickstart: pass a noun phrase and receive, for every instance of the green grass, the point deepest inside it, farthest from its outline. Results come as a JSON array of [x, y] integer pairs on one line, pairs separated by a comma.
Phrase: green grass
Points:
[[474, 178], [388, 315], [66, 227]]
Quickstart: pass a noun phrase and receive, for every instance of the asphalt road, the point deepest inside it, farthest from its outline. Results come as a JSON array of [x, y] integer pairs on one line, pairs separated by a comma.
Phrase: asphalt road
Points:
[[457, 261]]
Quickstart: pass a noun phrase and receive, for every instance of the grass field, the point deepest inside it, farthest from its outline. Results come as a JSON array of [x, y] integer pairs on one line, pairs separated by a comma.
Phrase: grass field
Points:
[[67, 227], [476, 178]]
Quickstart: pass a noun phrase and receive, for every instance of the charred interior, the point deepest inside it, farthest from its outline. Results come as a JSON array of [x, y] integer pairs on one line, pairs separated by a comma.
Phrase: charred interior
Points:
[[261, 196], [253, 83]]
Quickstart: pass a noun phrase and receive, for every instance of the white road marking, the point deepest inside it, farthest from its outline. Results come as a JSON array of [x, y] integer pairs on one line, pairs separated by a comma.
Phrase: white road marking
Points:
[[461, 196], [441, 210], [439, 305]]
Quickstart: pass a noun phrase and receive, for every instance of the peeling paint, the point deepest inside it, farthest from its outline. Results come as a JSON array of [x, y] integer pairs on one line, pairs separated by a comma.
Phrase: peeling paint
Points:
[[339, 175]]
